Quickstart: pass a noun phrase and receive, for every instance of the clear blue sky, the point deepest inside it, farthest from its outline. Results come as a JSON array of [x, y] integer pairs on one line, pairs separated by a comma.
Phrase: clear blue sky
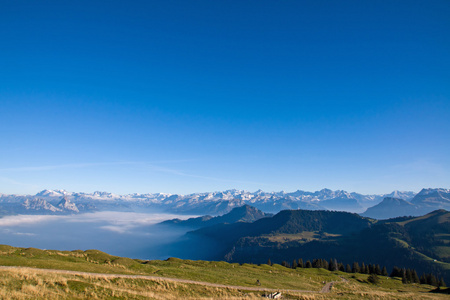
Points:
[[194, 96]]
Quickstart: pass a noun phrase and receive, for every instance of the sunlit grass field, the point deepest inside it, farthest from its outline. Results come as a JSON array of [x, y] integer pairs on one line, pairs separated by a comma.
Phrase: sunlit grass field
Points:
[[26, 283]]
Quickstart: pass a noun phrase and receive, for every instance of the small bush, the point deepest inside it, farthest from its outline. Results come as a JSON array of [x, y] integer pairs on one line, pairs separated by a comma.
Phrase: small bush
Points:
[[373, 278]]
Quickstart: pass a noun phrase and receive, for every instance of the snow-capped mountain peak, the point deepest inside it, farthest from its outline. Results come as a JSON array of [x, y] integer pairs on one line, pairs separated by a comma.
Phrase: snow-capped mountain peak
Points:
[[51, 193], [61, 201], [65, 204], [39, 205]]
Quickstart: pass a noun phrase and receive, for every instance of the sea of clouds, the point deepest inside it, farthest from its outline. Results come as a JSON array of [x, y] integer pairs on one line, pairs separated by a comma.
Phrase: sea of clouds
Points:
[[128, 234]]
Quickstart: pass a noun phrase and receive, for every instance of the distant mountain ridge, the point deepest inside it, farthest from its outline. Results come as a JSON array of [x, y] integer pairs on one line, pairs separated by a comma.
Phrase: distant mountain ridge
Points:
[[39, 205], [291, 222], [245, 213], [432, 198], [390, 208], [416, 242], [213, 203], [217, 203], [425, 201]]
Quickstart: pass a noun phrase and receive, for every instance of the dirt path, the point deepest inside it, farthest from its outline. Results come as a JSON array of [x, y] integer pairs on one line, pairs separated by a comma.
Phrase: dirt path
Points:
[[325, 289]]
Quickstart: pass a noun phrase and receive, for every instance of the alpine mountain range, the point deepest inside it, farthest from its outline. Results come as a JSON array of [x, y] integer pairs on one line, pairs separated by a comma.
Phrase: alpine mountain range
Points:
[[385, 206]]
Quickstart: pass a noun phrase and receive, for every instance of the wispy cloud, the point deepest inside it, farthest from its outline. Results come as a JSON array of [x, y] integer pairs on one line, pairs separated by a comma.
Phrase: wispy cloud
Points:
[[15, 182], [26, 220], [9, 231], [422, 166], [24, 233], [122, 218], [184, 174], [62, 166], [116, 229], [155, 166], [88, 165], [119, 222]]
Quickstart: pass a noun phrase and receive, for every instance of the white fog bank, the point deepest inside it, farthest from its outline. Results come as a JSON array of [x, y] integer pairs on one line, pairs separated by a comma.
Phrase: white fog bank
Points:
[[119, 233]]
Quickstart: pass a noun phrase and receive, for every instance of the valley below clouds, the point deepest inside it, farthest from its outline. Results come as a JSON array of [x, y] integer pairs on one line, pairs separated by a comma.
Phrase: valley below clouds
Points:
[[127, 234]]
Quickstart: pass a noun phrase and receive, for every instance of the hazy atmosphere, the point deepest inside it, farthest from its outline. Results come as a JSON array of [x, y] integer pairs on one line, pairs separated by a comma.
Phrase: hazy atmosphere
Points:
[[183, 97], [119, 233], [212, 149]]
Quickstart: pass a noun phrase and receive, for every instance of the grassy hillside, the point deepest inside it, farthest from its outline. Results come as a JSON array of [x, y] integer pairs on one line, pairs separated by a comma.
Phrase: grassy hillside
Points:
[[223, 238], [421, 243], [216, 272], [26, 283], [245, 213]]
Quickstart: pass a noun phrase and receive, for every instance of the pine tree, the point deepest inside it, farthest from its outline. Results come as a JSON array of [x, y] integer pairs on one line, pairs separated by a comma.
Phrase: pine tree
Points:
[[300, 263], [308, 264], [431, 280], [294, 264], [348, 269], [442, 282], [367, 271], [341, 267], [269, 262], [377, 270], [384, 272], [363, 268], [332, 265], [423, 279], [408, 275], [396, 272], [404, 280], [415, 277], [325, 264], [355, 267], [316, 263]]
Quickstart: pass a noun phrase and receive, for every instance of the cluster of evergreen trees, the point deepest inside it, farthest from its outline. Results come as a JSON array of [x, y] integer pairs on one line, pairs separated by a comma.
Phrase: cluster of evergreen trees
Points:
[[407, 275], [410, 276], [334, 265]]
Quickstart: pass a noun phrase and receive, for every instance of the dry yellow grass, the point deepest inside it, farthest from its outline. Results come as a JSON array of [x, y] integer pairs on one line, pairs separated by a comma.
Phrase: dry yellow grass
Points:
[[36, 284], [23, 283], [215, 280]]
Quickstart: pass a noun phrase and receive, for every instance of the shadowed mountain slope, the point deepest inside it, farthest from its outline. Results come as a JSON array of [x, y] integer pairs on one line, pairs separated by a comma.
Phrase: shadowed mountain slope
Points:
[[245, 213], [427, 200], [390, 208], [422, 242]]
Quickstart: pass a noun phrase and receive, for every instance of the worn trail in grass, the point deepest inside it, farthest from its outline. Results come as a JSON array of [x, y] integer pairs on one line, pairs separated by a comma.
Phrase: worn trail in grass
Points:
[[270, 277], [157, 278], [124, 278]]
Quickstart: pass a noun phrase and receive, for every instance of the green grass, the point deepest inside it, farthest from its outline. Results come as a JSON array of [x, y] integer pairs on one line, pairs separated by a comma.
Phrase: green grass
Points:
[[96, 261], [44, 285], [303, 237], [275, 276], [442, 251], [358, 287], [36, 284]]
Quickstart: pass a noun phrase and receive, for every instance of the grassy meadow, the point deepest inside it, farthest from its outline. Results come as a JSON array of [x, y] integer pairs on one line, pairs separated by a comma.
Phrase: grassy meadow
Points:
[[25, 283]]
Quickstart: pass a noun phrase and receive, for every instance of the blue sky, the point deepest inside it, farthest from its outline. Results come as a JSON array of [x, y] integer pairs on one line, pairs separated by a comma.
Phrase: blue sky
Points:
[[195, 96]]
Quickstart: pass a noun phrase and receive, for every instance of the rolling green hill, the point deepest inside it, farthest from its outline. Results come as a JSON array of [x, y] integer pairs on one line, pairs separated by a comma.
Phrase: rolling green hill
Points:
[[421, 243], [245, 213], [214, 280]]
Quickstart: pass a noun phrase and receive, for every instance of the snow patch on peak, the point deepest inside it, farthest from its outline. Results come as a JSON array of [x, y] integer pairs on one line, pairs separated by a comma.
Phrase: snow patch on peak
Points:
[[52, 193], [433, 190], [65, 204], [39, 205]]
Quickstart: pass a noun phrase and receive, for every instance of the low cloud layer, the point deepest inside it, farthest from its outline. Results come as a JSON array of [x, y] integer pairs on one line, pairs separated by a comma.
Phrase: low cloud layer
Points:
[[117, 221], [26, 220], [119, 233]]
